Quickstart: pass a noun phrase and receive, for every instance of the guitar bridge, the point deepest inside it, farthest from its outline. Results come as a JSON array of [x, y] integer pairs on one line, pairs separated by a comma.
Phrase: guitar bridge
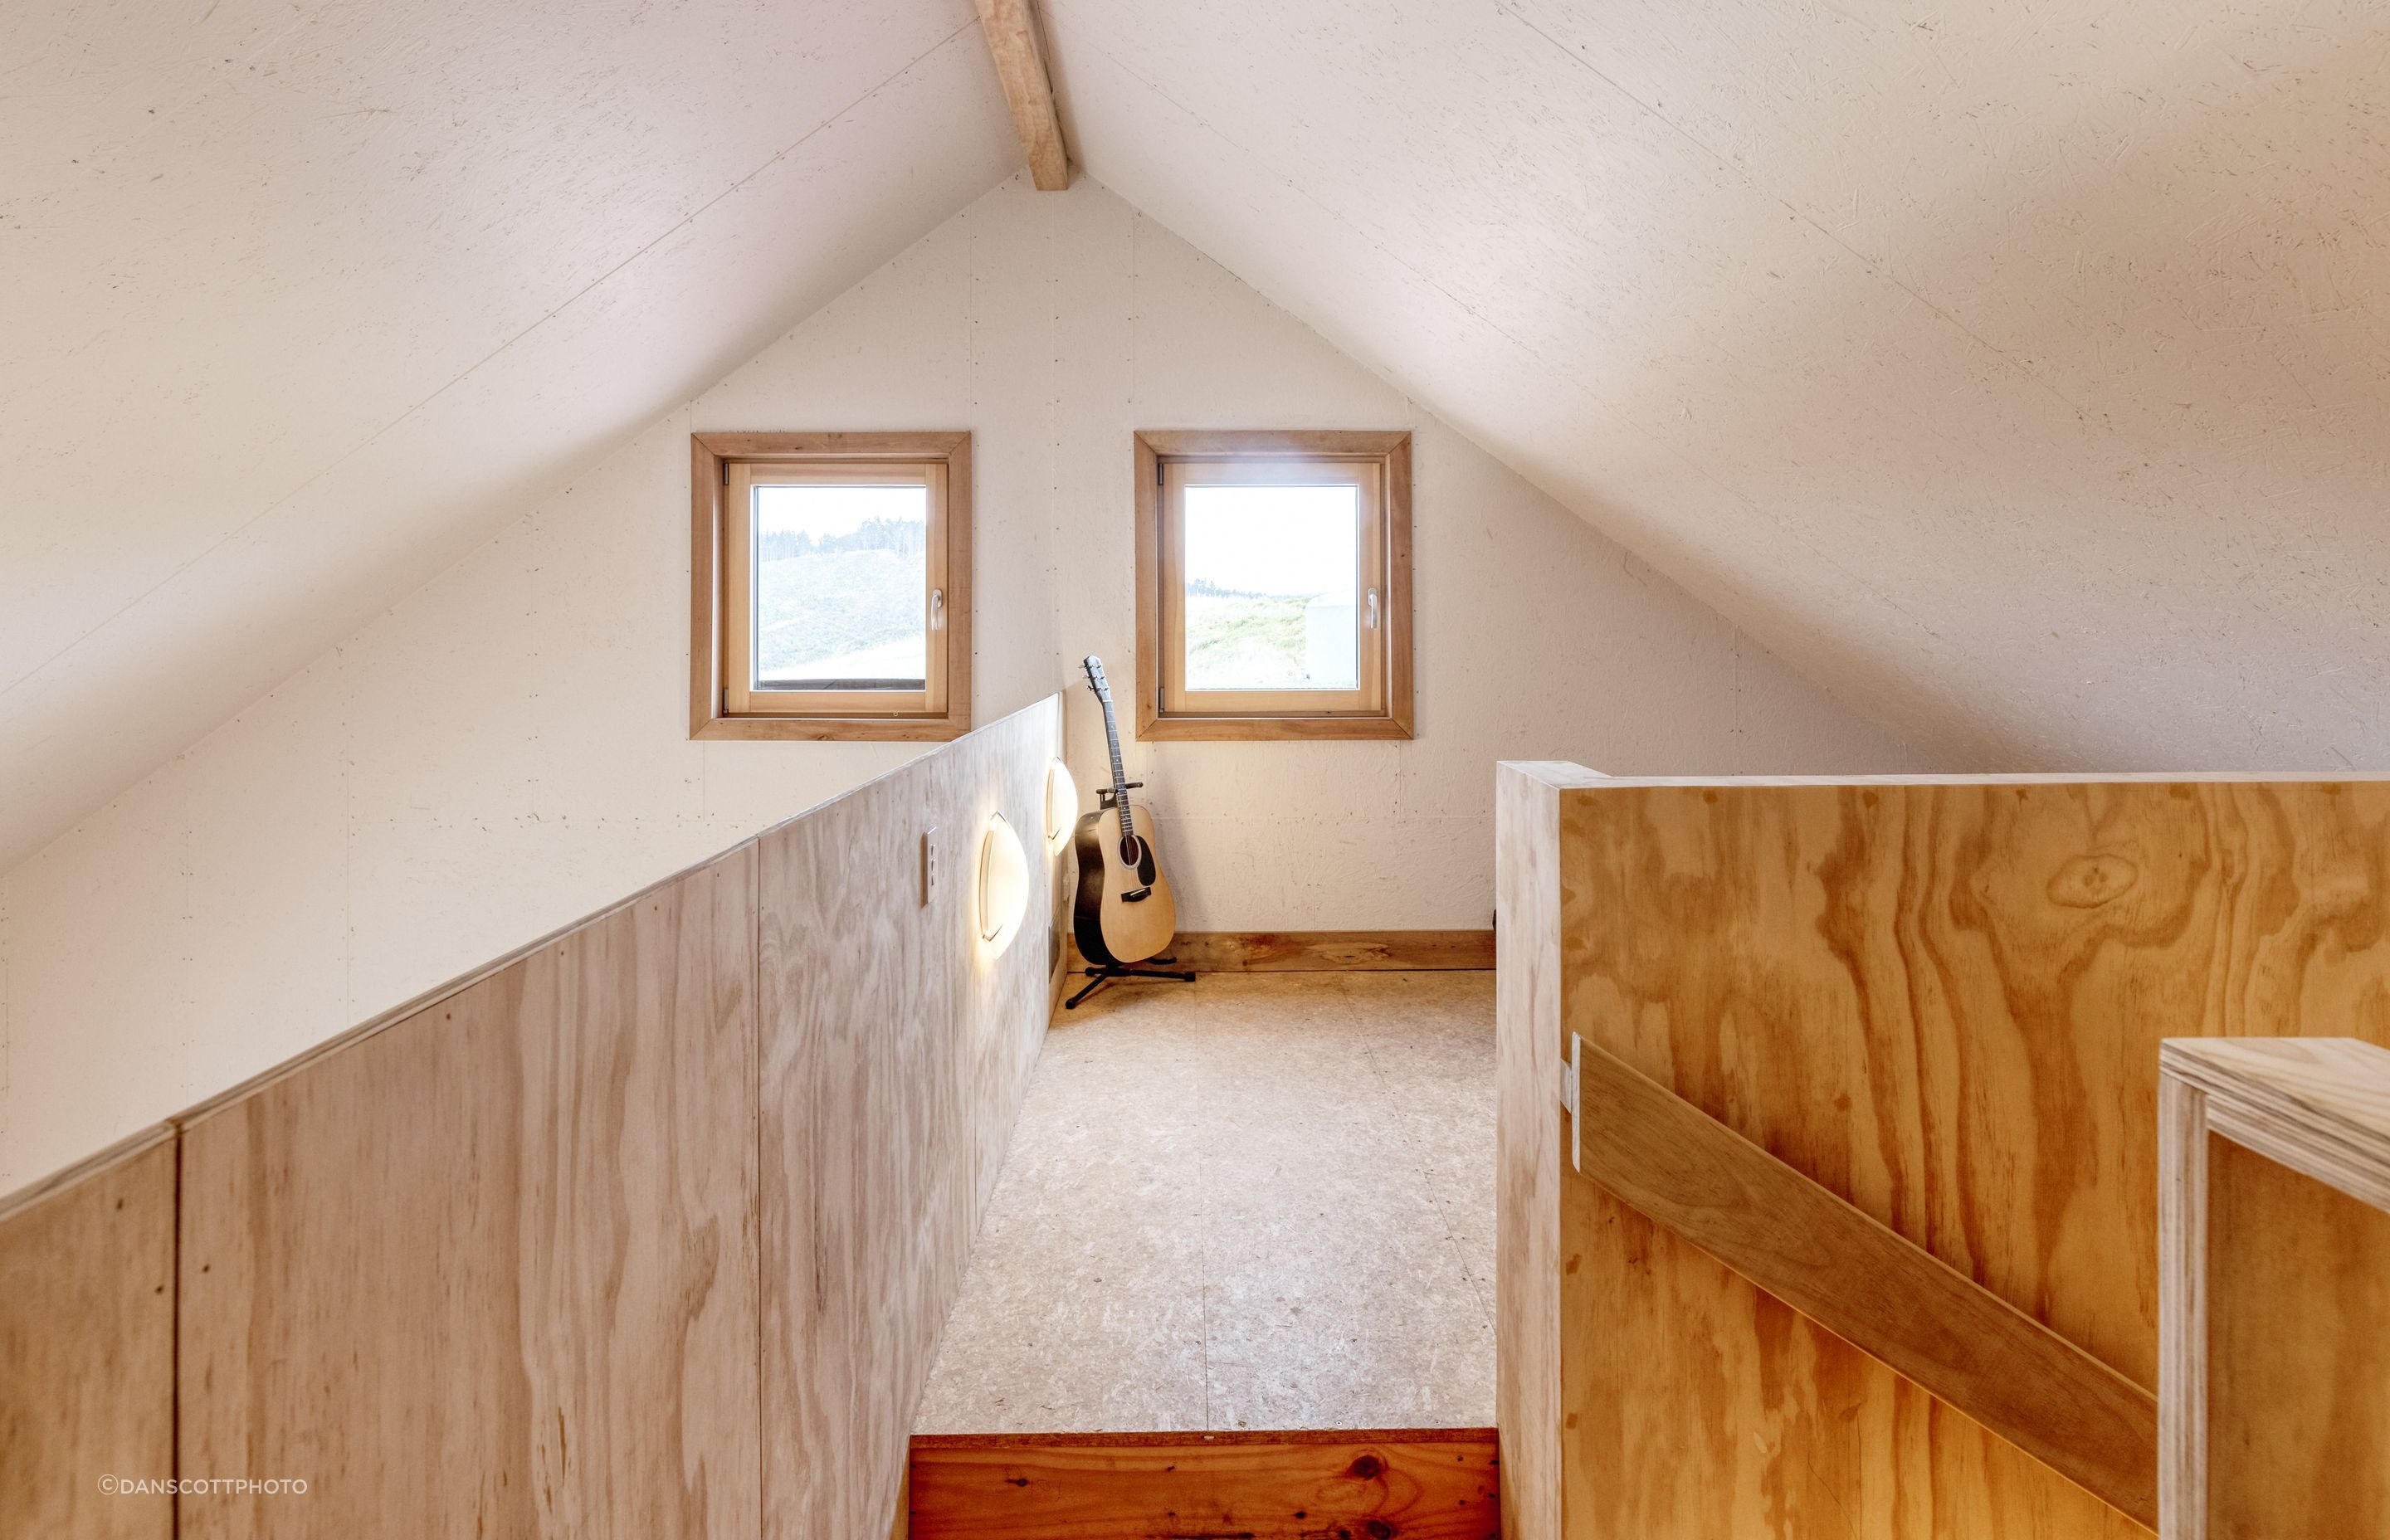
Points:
[[1136, 895]]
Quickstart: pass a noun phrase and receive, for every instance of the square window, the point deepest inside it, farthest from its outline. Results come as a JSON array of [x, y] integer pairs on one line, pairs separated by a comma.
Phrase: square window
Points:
[[1274, 584], [831, 587]]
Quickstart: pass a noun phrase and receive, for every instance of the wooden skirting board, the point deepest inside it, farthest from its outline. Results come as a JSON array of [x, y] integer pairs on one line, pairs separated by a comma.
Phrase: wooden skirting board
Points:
[[1326, 951], [1432, 1483]]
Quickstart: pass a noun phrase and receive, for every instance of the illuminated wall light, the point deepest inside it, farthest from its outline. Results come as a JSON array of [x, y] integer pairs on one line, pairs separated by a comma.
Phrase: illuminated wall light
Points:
[[1061, 802], [1003, 883]]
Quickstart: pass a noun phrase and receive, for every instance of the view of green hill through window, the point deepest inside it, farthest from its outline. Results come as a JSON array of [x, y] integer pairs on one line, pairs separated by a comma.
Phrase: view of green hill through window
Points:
[[1272, 574], [842, 583]]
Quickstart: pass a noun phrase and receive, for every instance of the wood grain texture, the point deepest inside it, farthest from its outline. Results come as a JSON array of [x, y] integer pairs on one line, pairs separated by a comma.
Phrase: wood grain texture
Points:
[[2321, 1106], [1806, 1247], [1422, 1483], [1019, 55], [1327, 951], [2276, 1256], [2299, 1360], [1527, 1265], [492, 1268], [489, 1262], [1941, 1002], [2183, 1309], [894, 1058], [88, 1350], [1272, 729]]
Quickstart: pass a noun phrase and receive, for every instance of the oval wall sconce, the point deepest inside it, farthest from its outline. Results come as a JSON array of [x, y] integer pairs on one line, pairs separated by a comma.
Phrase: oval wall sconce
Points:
[[1061, 802], [1003, 883]]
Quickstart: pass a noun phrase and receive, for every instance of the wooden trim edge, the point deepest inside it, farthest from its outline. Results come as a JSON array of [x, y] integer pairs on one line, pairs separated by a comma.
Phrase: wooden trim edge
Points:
[[98, 1163]]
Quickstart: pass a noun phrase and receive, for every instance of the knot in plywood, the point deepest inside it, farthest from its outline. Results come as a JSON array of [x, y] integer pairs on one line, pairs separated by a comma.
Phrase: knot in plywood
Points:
[[2088, 881]]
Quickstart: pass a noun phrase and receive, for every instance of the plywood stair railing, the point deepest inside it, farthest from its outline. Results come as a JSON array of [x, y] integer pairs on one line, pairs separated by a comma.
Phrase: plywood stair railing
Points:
[[648, 1230], [1855, 1228], [1895, 1301]]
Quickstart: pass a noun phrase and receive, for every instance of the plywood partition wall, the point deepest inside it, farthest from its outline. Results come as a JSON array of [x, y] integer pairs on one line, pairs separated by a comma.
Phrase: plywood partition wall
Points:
[[1937, 1001], [895, 1049], [646, 1230], [87, 1349], [491, 1269]]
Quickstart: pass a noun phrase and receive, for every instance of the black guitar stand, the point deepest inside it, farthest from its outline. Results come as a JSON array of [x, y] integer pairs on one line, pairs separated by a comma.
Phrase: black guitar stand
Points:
[[1105, 974]]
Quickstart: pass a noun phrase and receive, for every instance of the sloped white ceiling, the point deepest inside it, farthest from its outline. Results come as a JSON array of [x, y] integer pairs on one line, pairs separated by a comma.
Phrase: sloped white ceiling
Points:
[[2021, 370], [295, 300]]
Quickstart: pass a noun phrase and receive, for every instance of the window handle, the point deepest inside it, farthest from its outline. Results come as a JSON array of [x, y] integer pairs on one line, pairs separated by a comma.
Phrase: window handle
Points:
[[1373, 609], [937, 608]]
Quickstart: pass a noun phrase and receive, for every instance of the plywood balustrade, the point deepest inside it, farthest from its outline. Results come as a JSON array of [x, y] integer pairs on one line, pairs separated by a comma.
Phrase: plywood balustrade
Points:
[[893, 1063], [87, 1349], [1939, 1001], [2275, 1252], [1430, 1484], [1801, 1245], [492, 1269], [646, 1230]]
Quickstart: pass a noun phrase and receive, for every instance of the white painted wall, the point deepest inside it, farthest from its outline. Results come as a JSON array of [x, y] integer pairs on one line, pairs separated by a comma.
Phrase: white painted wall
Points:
[[506, 747]]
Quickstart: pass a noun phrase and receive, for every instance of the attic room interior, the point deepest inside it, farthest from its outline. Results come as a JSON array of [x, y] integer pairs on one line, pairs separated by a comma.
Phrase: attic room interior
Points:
[[1051, 770]]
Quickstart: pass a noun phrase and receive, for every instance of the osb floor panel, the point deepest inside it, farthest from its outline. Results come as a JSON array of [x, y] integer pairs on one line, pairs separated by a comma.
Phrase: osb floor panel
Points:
[[1259, 1201]]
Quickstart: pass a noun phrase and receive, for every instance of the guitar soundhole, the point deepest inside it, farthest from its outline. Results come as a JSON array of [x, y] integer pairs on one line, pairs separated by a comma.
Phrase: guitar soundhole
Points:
[[1131, 851]]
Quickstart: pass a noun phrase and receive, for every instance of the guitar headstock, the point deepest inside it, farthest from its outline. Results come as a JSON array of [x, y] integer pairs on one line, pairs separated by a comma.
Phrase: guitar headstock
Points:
[[1094, 667]]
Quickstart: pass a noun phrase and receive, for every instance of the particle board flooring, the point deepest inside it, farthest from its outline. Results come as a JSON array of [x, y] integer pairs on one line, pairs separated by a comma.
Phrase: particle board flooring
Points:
[[1255, 1201]]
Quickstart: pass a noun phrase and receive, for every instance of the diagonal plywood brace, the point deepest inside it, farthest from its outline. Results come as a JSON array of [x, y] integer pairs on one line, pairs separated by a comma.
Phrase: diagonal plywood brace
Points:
[[1883, 1294], [1012, 41]]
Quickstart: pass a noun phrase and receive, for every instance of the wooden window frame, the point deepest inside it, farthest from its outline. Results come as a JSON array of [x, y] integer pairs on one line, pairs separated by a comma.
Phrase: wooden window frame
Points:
[[717, 708], [1266, 716]]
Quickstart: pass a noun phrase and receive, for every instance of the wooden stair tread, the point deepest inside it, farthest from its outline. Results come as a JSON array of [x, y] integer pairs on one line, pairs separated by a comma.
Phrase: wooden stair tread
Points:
[[1430, 1484]]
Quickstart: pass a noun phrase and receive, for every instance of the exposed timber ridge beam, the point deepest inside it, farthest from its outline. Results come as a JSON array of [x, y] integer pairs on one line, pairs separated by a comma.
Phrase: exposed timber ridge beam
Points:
[[1011, 30]]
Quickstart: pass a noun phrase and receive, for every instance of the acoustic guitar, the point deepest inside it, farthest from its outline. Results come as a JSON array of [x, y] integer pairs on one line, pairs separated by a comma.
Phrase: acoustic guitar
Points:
[[1123, 913]]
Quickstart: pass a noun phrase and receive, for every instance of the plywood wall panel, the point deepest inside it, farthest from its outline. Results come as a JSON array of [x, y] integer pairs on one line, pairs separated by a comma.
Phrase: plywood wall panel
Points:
[[2298, 1362], [895, 1049], [1943, 1001], [492, 1268], [87, 1351]]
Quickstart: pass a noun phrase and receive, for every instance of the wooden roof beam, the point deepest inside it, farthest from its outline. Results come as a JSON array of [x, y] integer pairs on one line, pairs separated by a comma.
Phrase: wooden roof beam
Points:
[[1011, 29]]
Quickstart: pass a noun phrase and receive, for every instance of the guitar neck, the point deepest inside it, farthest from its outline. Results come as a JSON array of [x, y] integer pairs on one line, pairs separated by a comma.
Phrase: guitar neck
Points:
[[1120, 775]]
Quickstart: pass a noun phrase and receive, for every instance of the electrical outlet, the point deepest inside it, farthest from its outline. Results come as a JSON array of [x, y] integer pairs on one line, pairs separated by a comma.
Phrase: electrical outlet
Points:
[[929, 865]]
